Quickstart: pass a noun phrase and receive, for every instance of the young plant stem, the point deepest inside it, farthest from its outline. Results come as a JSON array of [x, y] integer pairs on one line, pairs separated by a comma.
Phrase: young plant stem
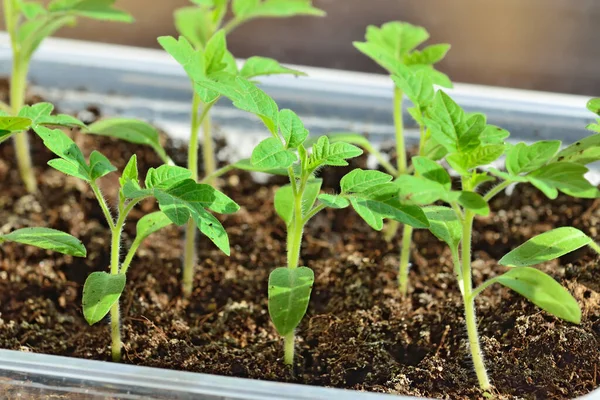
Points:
[[399, 126], [469, 302], [404, 259], [595, 247], [294, 243], [198, 119], [458, 270], [18, 85]]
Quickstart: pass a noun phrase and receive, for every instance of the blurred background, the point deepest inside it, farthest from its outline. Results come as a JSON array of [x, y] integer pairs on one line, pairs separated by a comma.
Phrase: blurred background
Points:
[[549, 45]]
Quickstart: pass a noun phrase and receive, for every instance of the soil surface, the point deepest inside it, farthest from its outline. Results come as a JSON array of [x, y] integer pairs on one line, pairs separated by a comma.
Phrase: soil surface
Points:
[[359, 333]]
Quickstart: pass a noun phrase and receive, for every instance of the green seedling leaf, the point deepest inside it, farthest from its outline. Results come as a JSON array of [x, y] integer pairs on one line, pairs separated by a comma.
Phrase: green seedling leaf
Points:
[[94, 9], [245, 95], [195, 24], [183, 52], [493, 135], [433, 171], [546, 246], [46, 238], [584, 151], [474, 202], [271, 154], [166, 176], [388, 45], [325, 153], [374, 211], [284, 200], [564, 176], [241, 8], [463, 163], [132, 131], [543, 291], [130, 172], [594, 106], [289, 294], [444, 224], [449, 125], [292, 129], [333, 201], [31, 9], [215, 50], [151, 223], [14, 124], [31, 33], [99, 165], [100, 292], [71, 161], [278, 8], [246, 165], [522, 158], [428, 56], [417, 86], [40, 114], [359, 180], [261, 66], [418, 190]]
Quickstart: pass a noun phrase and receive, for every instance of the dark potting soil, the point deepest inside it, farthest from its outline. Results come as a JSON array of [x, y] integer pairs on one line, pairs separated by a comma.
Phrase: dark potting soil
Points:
[[359, 333]]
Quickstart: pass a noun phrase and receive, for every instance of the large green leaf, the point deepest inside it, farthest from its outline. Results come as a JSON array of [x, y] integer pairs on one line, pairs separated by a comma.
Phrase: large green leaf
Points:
[[271, 154], [564, 176], [130, 130], [46, 238], [433, 171], [100, 292], [359, 180], [522, 158], [14, 124], [584, 151], [546, 246], [444, 224], [289, 294], [40, 114], [542, 290]]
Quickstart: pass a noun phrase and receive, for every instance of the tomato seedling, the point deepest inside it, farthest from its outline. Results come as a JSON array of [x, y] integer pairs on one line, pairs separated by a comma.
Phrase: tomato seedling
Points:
[[48, 239]]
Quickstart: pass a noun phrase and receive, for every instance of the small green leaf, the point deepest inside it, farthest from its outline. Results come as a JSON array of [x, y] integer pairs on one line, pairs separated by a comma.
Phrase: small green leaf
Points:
[[564, 176], [130, 172], [474, 202], [594, 106], [417, 86], [584, 151], [543, 291], [14, 124], [282, 9], [31, 9], [71, 160], [463, 163], [46, 238], [444, 224], [100, 292], [359, 180], [325, 153], [493, 135], [270, 154], [214, 52], [546, 246], [433, 171], [151, 223], [289, 294], [429, 55], [445, 121], [166, 176], [334, 201], [418, 190], [31, 33], [292, 129], [195, 24], [95, 9], [261, 66], [99, 165], [183, 52], [522, 158], [40, 114], [132, 131]]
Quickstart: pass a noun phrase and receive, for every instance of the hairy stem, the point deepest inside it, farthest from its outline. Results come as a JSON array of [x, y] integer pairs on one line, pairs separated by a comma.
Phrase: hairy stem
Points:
[[399, 125], [18, 85], [208, 149], [404, 259], [189, 256], [115, 312], [458, 270], [469, 302], [294, 243], [495, 190]]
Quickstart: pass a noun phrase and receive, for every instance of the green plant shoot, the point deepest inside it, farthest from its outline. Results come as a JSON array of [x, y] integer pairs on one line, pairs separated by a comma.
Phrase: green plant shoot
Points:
[[202, 52], [372, 194], [28, 23], [470, 143], [179, 198], [393, 47], [48, 239]]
